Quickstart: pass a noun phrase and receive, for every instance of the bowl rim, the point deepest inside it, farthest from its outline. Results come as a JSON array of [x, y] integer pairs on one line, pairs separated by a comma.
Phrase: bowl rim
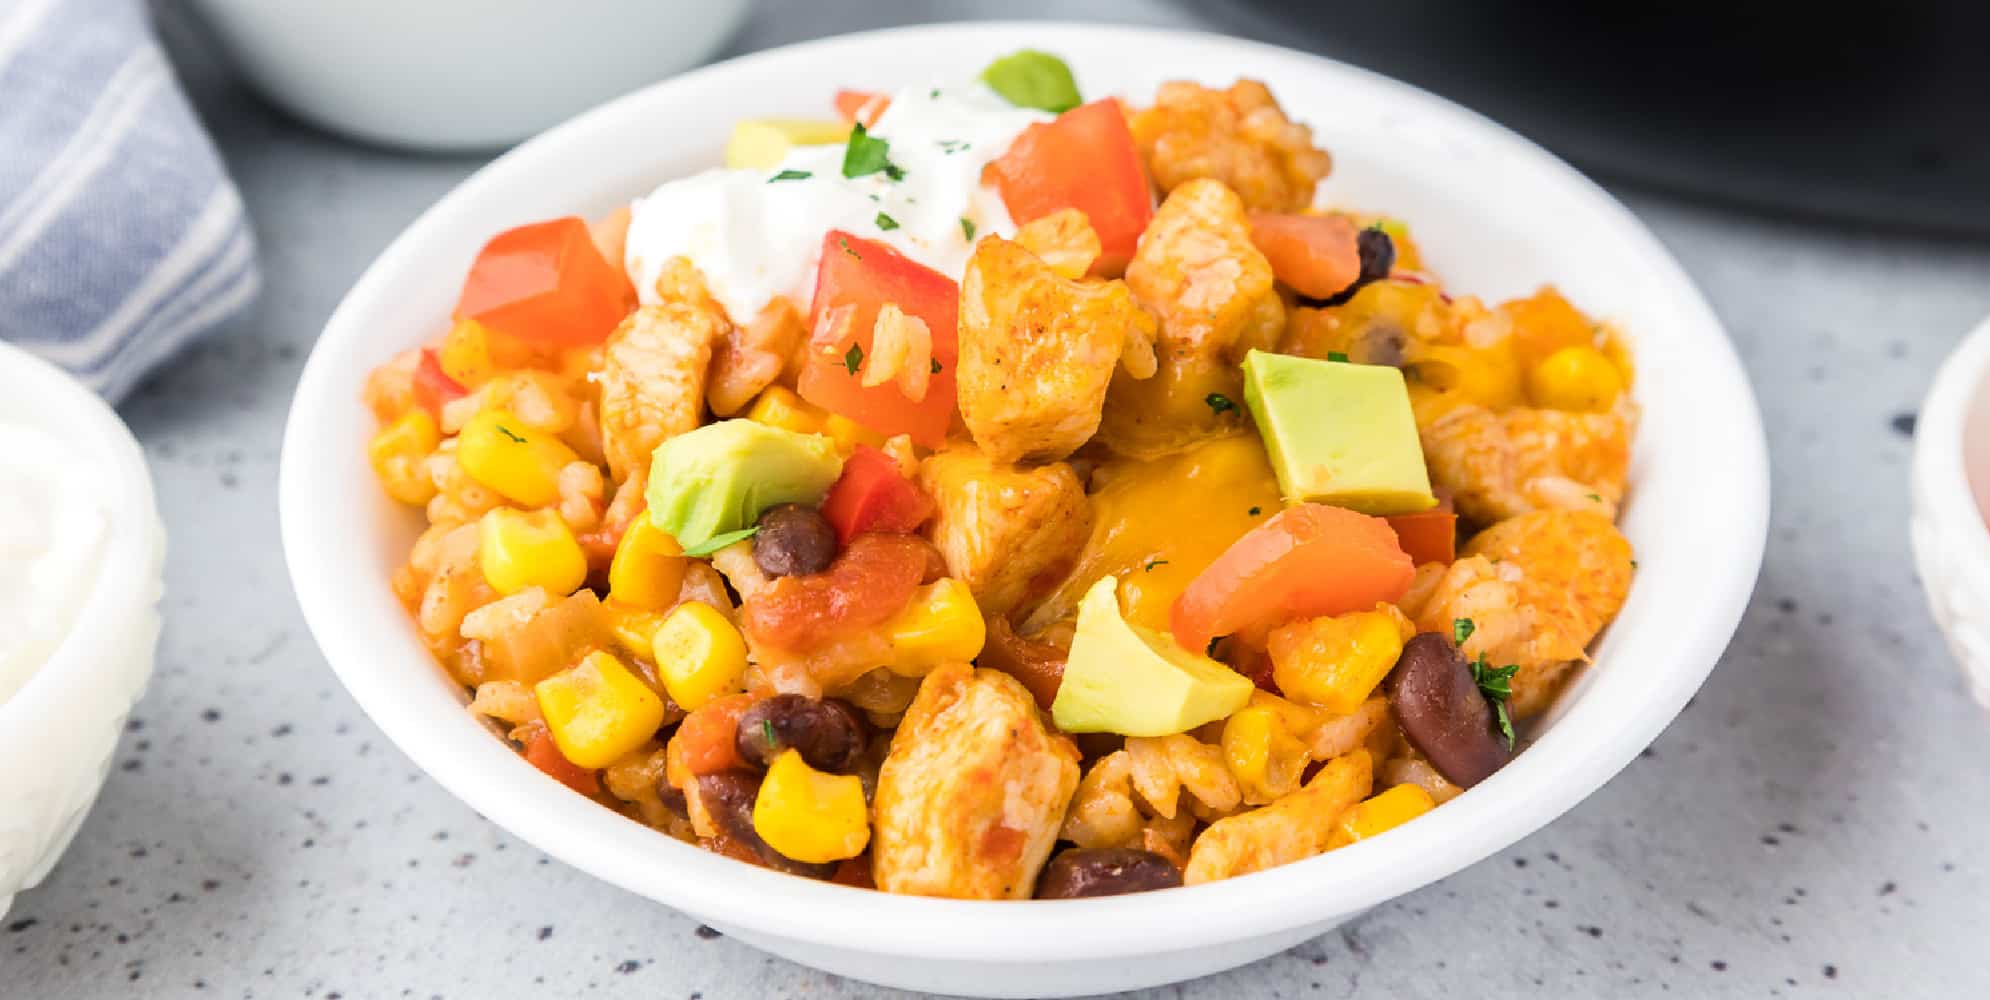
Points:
[[1942, 491], [1539, 786], [127, 576]]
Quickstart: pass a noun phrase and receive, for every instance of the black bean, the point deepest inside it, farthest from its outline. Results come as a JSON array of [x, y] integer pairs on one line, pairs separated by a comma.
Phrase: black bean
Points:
[[728, 799], [672, 798], [793, 541], [828, 734], [1443, 713], [1105, 871]]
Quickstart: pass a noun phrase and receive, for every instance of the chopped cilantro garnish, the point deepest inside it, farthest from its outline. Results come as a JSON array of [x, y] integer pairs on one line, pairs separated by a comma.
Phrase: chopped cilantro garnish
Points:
[[1337, 356], [767, 732], [967, 228], [790, 175], [886, 222], [1595, 498], [936, 366], [1030, 79], [1219, 403], [844, 242], [866, 155], [1496, 683], [952, 146], [1461, 630], [1255, 511], [853, 358], [717, 542], [1151, 563], [509, 433]]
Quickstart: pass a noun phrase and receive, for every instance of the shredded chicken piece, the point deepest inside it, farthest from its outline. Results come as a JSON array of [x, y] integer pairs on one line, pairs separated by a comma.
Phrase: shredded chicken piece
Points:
[[1501, 464], [749, 359], [1008, 533], [1290, 829]]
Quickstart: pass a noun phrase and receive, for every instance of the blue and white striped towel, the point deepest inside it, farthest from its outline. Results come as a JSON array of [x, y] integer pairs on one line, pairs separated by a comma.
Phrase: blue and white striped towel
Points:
[[121, 238]]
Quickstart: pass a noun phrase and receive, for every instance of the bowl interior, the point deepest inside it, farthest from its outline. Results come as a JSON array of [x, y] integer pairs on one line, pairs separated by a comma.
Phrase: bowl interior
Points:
[[1496, 217]]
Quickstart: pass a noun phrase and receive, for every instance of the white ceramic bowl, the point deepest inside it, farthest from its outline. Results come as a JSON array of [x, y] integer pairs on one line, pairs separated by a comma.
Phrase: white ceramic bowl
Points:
[[57, 733], [461, 74], [1495, 214], [1951, 479]]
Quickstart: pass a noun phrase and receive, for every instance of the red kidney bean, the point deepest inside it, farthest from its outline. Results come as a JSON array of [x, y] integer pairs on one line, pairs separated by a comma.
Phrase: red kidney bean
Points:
[[828, 734], [1442, 711], [1105, 871]]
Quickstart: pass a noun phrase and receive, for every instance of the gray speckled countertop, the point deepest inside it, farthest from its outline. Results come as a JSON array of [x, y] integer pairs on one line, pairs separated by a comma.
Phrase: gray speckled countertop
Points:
[[1813, 824]]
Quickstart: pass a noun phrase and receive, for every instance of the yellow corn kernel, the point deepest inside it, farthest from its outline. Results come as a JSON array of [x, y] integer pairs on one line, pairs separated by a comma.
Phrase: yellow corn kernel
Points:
[[810, 816], [634, 628], [519, 549], [848, 434], [699, 655], [1262, 752], [1386, 811], [648, 569], [502, 452], [465, 354], [598, 710], [399, 456], [1575, 378], [780, 407], [1489, 377], [1336, 662], [941, 624]]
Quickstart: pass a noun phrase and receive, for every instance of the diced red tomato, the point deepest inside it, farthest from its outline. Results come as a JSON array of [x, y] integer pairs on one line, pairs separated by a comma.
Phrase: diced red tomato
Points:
[[546, 283], [706, 741], [861, 106], [863, 275], [1428, 536], [871, 495], [433, 387], [1086, 160], [1317, 255], [542, 753], [1307, 560], [871, 580]]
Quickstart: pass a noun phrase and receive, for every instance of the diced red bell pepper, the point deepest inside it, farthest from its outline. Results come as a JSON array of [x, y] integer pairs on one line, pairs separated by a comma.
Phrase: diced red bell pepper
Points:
[[1305, 561], [542, 753], [863, 275], [1318, 256], [861, 106], [546, 283], [434, 389], [1427, 536], [871, 495], [1086, 160]]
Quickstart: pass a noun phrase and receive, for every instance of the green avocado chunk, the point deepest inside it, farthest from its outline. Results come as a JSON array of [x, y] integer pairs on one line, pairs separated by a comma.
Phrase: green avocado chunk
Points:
[[1032, 79], [719, 478], [1338, 433], [1128, 679]]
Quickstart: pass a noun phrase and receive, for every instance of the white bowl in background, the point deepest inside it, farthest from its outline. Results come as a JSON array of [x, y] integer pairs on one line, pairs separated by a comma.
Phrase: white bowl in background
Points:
[[59, 730], [461, 74], [1951, 479], [1494, 214]]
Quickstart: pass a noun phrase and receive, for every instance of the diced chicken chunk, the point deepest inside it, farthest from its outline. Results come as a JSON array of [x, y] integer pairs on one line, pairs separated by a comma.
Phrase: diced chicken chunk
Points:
[[972, 794], [1008, 533], [1238, 136], [1537, 588], [653, 378], [1498, 464], [1199, 272], [1037, 352]]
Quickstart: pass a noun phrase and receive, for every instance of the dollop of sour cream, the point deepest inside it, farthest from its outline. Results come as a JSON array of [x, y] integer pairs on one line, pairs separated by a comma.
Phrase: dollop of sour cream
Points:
[[754, 237], [53, 528]]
